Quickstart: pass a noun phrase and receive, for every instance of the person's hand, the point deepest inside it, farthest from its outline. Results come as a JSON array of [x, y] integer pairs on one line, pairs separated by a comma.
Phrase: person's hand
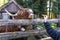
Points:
[[45, 18]]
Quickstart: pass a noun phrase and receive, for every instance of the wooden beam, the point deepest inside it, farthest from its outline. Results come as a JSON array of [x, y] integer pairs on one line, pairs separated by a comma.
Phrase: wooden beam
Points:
[[48, 38], [25, 22], [12, 35]]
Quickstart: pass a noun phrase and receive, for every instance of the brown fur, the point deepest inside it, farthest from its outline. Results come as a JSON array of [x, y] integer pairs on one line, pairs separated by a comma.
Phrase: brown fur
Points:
[[9, 28], [24, 13], [21, 14]]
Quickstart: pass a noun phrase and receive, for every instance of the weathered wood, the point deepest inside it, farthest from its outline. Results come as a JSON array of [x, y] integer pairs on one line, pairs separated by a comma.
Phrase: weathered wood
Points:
[[12, 35], [25, 21], [48, 38]]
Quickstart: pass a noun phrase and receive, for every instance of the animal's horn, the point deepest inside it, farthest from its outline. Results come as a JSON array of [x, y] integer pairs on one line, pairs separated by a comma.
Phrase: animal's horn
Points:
[[10, 13]]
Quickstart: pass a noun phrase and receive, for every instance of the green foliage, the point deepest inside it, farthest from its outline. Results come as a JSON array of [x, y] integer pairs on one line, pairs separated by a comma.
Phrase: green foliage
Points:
[[53, 25], [41, 26], [56, 7], [38, 6]]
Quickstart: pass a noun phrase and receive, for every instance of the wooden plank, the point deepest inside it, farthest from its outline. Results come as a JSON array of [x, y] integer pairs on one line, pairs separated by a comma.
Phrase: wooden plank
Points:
[[24, 22], [48, 38], [12, 35]]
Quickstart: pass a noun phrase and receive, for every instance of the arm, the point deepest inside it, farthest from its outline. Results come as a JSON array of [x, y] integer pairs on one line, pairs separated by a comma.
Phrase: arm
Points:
[[52, 32]]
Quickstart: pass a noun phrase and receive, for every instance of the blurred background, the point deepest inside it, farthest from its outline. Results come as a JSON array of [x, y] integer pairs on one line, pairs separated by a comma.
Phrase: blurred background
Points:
[[48, 7]]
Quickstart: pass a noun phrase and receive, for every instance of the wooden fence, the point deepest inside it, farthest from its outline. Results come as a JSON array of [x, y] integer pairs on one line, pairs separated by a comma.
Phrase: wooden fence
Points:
[[10, 35]]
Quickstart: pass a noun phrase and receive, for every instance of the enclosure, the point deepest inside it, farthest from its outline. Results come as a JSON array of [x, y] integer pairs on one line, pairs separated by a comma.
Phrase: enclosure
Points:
[[33, 28]]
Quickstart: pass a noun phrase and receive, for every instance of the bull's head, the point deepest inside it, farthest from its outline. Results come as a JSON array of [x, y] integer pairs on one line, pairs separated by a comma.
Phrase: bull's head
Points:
[[31, 15]]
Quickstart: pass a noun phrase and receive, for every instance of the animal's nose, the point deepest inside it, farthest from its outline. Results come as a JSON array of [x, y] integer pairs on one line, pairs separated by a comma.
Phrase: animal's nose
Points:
[[31, 15]]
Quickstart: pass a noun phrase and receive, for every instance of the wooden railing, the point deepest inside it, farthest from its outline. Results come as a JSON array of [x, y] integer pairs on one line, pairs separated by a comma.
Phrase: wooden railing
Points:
[[11, 35], [25, 21]]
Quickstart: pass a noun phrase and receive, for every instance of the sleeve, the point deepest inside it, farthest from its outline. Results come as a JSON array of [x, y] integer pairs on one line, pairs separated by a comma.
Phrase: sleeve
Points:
[[53, 33]]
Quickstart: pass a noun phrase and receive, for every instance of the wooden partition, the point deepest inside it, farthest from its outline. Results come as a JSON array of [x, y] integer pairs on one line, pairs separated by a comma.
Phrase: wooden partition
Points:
[[23, 38]]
